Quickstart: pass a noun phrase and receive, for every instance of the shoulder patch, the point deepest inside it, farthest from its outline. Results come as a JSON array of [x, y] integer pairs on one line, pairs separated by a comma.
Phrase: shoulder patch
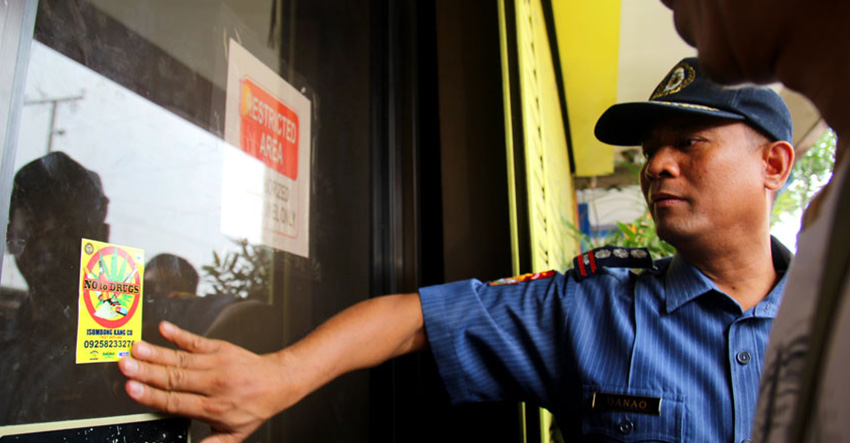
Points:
[[589, 263], [522, 278]]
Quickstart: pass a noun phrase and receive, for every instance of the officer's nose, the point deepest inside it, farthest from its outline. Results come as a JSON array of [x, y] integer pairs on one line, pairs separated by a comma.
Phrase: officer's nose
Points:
[[662, 162]]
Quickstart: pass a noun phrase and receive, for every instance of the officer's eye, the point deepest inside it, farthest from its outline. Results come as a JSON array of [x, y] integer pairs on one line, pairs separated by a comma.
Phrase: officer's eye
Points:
[[647, 151], [686, 142]]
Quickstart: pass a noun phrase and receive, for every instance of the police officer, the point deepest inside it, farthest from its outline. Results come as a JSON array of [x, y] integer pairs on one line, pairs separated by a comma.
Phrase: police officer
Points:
[[804, 45], [669, 354]]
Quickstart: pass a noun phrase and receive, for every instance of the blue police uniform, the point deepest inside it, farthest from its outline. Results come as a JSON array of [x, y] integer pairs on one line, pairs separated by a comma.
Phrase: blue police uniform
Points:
[[658, 356]]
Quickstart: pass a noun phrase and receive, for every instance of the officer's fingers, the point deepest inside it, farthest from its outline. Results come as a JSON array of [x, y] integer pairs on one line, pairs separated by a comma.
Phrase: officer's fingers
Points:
[[165, 377], [148, 353], [177, 403], [187, 340]]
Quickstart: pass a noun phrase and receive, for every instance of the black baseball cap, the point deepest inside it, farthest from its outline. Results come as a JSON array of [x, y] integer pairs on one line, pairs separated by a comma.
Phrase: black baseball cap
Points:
[[687, 91]]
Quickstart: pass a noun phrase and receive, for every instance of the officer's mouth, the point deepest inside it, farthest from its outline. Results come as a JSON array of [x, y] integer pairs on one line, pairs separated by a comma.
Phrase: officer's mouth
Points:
[[664, 200]]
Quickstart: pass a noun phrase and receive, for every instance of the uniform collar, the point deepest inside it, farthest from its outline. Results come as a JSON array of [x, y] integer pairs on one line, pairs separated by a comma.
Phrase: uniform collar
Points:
[[684, 282]]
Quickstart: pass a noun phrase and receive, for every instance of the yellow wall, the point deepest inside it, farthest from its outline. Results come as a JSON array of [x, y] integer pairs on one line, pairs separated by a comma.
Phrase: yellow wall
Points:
[[588, 34], [551, 197], [549, 183]]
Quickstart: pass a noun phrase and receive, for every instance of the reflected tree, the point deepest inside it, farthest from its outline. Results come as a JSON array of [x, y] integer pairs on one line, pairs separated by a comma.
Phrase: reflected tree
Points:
[[244, 273]]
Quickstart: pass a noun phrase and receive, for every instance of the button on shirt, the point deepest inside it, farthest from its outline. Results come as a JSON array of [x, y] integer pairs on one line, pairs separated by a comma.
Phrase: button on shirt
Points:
[[666, 334]]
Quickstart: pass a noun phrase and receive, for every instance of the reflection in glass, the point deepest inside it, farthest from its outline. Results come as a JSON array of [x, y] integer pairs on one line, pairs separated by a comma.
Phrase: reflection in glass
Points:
[[111, 166]]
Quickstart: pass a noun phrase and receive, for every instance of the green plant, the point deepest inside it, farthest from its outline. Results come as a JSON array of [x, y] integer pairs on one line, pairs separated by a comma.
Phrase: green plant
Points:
[[245, 273], [809, 174], [641, 233]]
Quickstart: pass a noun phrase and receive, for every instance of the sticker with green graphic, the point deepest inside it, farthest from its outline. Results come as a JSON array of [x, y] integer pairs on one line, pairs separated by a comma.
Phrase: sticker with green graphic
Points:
[[110, 307]]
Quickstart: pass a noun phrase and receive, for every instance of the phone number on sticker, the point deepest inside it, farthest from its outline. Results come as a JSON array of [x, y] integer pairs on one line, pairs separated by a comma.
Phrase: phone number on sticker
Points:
[[108, 344]]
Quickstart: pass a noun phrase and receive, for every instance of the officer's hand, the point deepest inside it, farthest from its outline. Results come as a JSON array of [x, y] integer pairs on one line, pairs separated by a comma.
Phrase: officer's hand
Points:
[[230, 388]]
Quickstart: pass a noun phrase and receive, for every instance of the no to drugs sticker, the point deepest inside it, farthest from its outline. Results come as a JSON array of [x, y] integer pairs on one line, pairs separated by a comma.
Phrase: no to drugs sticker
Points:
[[110, 303]]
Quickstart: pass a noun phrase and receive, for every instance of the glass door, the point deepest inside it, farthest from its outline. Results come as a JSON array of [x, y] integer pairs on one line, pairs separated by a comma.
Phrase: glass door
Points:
[[204, 162]]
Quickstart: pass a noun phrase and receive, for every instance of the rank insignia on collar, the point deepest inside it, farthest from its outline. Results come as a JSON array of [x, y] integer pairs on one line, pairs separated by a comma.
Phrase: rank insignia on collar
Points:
[[522, 278], [589, 263]]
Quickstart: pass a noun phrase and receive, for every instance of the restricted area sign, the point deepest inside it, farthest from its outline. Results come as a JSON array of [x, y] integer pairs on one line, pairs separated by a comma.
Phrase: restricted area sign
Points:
[[269, 129], [266, 179], [110, 304]]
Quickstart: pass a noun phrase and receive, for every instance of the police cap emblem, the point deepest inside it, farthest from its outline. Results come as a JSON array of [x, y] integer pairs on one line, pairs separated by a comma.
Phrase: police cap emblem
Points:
[[681, 76]]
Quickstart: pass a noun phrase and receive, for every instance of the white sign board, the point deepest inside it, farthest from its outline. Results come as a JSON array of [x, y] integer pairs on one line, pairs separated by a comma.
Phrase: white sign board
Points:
[[266, 183]]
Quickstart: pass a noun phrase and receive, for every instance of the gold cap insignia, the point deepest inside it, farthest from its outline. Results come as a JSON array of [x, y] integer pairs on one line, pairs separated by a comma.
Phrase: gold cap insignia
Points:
[[681, 76]]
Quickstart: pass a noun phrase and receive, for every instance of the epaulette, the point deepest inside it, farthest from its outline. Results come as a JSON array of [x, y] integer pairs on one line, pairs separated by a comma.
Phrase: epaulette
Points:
[[589, 263]]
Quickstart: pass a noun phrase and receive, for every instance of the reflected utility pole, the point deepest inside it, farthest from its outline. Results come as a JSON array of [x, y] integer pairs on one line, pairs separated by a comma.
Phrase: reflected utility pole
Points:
[[53, 102]]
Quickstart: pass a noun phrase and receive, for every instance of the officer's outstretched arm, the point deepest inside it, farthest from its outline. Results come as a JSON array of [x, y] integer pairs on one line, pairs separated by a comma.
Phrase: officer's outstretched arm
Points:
[[235, 390]]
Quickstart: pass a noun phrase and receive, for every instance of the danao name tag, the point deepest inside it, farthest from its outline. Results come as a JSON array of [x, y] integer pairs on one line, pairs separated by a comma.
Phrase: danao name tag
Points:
[[603, 401]]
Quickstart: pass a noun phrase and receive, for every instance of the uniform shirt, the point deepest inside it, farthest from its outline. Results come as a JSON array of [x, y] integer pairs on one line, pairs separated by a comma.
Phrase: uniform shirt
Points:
[[668, 334]]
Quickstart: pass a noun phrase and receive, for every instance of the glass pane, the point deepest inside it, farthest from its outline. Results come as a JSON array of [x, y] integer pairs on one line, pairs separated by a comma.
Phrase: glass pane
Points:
[[208, 158]]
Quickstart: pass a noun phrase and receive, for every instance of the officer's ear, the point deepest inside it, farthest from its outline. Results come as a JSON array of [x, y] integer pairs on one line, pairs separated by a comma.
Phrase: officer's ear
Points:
[[778, 159]]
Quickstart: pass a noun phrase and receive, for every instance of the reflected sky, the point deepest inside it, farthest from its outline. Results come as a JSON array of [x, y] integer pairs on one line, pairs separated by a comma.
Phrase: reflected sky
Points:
[[162, 174]]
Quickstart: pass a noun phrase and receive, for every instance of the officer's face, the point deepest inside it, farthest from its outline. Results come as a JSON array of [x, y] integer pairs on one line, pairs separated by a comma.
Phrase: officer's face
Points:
[[46, 248], [37, 245], [704, 179], [736, 40]]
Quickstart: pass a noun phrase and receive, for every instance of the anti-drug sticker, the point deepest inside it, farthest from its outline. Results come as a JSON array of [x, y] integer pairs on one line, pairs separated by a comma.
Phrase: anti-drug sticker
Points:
[[110, 307]]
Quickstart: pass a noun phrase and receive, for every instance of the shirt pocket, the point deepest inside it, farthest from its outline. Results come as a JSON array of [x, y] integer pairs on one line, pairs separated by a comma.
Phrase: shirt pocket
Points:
[[603, 423]]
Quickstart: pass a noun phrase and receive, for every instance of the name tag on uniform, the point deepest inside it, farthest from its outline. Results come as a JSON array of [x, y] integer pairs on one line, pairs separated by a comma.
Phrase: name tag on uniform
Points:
[[603, 401]]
